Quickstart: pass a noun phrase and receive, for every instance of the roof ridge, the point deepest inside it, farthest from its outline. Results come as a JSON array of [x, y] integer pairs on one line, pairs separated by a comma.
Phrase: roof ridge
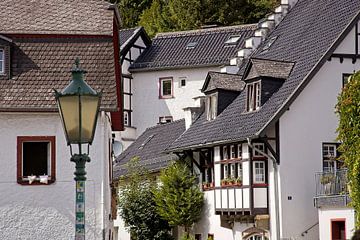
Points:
[[165, 124], [204, 31]]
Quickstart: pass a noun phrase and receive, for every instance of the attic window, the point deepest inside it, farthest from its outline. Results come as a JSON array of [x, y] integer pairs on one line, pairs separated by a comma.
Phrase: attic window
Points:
[[146, 141], [253, 96], [211, 107], [269, 43], [232, 39], [191, 45]]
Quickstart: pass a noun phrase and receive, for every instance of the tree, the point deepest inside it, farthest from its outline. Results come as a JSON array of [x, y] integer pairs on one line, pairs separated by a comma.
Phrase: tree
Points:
[[179, 200], [137, 207], [131, 10], [176, 15], [348, 109]]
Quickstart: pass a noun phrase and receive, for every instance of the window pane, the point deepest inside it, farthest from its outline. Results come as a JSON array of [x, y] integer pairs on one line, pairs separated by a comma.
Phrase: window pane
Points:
[[1, 54], [35, 158], [259, 172], [166, 88]]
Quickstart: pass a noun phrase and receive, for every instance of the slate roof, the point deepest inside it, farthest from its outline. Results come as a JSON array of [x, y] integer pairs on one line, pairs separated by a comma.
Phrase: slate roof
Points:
[[89, 17], [41, 64], [150, 146], [224, 81], [307, 36], [269, 68], [169, 50], [125, 35], [129, 36]]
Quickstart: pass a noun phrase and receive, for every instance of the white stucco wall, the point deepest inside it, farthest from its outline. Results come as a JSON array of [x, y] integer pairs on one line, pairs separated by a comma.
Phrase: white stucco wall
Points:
[[309, 122], [47, 211], [147, 105], [328, 214]]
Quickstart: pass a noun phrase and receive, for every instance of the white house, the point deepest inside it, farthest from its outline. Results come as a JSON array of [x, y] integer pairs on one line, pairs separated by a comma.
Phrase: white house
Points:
[[37, 51], [259, 153], [133, 42], [170, 72]]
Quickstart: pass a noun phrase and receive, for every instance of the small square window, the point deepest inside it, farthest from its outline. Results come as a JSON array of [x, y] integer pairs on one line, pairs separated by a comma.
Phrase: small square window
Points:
[[166, 87], [36, 160], [182, 82]]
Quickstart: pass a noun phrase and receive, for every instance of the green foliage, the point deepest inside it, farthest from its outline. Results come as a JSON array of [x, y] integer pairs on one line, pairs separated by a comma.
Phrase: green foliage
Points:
[[176, 15], [178, 197], [137, 207], [187, 237], [348, 109]]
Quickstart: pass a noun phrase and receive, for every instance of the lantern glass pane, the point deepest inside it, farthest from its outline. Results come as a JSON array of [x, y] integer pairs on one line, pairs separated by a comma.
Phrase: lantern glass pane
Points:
[[89, 110], [70, 114]]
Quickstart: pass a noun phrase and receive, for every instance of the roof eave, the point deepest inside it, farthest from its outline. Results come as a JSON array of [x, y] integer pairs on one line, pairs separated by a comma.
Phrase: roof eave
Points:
[[134, 70]]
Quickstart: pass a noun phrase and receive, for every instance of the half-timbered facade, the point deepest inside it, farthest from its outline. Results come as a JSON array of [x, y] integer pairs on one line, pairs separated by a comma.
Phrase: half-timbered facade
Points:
[[133, 42], [257, 157]]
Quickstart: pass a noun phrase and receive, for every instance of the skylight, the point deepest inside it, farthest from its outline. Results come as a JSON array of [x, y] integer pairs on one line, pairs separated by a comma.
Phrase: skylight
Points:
[[269, 43], [232, 39], [191, 45], [146, 141]]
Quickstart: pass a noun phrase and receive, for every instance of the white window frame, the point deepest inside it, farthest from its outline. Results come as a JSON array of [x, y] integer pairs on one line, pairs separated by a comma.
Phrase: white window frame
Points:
[[211, 107], [162, 80], [232, 170], [225, 153], [240, 171], [180, 82], [126, 118], [327, 147], [2, 62], [259, 172], [239, 149], [259, 146], [233, 151], [253, 96], [226, 171]]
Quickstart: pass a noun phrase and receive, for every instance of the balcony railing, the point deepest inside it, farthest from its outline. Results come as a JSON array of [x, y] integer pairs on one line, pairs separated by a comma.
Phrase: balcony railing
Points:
[[331, 183]]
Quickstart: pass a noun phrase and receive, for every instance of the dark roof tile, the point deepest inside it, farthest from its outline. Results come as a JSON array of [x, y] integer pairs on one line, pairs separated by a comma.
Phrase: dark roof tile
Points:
[[224, 81], [304, 37], [169, 50], [150, 146]]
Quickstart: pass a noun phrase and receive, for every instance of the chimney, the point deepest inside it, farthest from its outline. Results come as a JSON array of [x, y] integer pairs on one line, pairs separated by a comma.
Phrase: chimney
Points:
[[192, 113]]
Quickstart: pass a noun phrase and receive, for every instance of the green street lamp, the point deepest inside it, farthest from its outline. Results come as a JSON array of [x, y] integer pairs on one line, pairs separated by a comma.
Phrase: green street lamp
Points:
[[79, 106]]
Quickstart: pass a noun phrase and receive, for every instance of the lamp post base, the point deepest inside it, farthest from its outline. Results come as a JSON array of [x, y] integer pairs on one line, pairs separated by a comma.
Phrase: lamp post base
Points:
[[80, 178]]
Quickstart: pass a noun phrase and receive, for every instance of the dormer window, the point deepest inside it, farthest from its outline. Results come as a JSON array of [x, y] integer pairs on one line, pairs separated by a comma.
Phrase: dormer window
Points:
[[253, 96], [2, 61], [211, 107]]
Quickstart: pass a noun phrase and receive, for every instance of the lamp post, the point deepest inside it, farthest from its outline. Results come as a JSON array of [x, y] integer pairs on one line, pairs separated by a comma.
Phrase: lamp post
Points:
[[79, 106]]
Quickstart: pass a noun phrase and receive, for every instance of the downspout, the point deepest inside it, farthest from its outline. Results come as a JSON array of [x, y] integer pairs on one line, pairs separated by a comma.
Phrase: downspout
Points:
[[276, 187]]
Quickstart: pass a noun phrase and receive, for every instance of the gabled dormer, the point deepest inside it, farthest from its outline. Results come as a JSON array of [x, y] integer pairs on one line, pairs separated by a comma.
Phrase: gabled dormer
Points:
[[220, 90], [263, 78], [5, 45]]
